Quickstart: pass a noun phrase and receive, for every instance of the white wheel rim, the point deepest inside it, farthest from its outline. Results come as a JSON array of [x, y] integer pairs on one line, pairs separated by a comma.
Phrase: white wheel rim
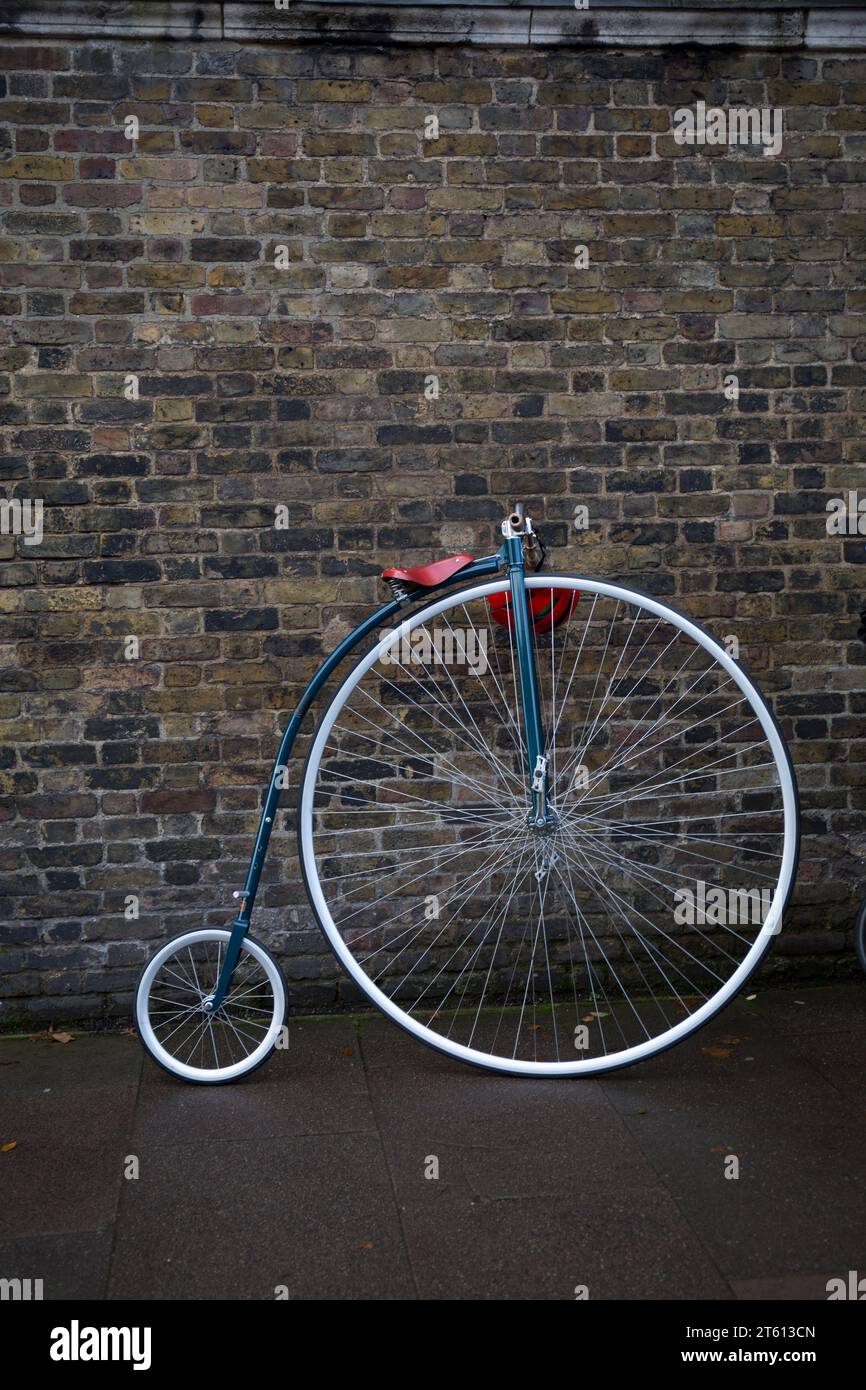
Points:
[[166, 1058], [585, 1066]]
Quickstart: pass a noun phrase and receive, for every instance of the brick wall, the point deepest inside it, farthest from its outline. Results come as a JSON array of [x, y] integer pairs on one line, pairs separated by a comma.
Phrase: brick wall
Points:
[[302, 384]]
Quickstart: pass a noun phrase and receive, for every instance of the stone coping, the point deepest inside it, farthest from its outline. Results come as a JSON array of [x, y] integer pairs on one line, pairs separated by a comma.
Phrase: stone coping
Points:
[[773, 24]]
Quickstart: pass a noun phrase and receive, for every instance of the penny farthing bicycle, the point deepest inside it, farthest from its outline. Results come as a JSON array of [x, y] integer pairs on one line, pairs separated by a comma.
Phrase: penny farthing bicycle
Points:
[[547, 823]]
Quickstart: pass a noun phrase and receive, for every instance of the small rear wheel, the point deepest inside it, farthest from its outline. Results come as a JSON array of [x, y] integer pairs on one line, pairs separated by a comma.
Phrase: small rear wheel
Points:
[[183, 1035]]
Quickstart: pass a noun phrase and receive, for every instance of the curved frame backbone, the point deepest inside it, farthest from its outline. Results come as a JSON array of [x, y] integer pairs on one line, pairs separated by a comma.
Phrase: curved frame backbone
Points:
[[480, 569]]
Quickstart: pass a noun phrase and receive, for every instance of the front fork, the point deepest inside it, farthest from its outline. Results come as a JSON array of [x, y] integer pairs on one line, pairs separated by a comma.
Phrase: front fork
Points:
[[240, 926], [515, 558]]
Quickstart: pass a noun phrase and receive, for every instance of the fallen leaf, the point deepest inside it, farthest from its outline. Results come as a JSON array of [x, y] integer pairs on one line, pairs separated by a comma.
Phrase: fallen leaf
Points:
[[717, 1051], [731, 1041], [589, 1018], [7, 1148], [62, 1037], [346, 1051], [368, 1245]]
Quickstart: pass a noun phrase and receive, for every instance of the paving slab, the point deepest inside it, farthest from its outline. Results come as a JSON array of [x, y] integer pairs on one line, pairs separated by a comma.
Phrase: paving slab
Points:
[[60, 1187], [798, 1203], [360, 1164], [514, 1138], [316, 1086], [386, 1044], [70, 1265], [241, 1219], [793, 1009], [631, 1243], [46, 1116], [91, 1061], [784, 1288], [840, 1057]]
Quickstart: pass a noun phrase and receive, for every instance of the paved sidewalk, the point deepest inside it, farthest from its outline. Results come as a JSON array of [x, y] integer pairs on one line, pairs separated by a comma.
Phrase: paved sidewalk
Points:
[[311, 1174]]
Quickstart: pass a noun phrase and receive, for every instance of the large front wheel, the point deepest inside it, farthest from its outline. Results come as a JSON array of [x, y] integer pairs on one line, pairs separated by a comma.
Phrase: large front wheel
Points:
[[629, 919]]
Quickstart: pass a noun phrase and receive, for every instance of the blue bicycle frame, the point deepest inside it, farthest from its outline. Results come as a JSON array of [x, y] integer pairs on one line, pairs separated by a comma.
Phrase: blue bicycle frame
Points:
[[511, 558]]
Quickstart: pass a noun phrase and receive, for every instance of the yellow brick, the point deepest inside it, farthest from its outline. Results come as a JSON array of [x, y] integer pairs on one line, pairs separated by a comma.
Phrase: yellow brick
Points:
[[166, 223], [166, 276], [36, 166], [170, 168], [215, 117]]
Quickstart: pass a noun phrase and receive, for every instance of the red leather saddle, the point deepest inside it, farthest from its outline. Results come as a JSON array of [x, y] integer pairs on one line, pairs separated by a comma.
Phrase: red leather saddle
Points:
[[426, 576]]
